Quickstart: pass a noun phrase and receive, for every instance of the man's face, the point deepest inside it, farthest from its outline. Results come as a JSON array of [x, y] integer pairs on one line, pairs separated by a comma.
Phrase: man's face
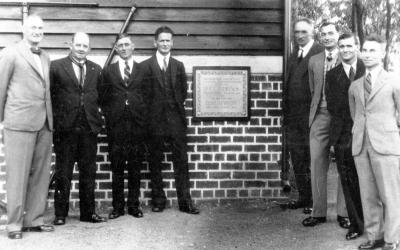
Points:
[[372, 54], [303, 33], [348, 49], [33, 30], [164, 43], [329, 36], [80, 46], [125, 48]]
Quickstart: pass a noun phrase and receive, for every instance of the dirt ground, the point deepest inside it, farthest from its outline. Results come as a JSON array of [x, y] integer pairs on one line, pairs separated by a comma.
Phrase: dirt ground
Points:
[[245, 225]]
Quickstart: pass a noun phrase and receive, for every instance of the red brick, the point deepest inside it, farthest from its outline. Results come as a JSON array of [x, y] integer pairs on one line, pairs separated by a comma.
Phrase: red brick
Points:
[[258, 112], [171, 194], [265, 157], [208, 148], [267, 175], [274, 95], [220, 139], [255, 166], [231, 193], [208, 166], [211, 130], [219, 157], [195, 193], [243, 139], [258, 95], [232, 130], [231, 157], [195, 157], [274, 130], [254, 157], [273, 166], [267, 139], [243, 193], [244, 175], [206, 184], [231, 184], [254, 148], [259, 78], [274, 112], [208, 193], [219, 193], [266, 86], [207, 157], [196, 138], [254, 184], [255, 193], [243, 157], [197, 175], [274, 184], [266, 193], [219, 175], [231, 166], [275, 78], [274, 148], [227, 148]]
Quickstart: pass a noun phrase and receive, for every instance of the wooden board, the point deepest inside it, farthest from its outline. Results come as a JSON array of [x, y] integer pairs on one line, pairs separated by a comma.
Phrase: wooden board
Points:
[[148, 28], [10, 12], [164, 15]]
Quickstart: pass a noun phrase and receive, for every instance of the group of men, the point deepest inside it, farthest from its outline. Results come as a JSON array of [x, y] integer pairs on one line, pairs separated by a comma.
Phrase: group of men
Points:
[[141, 104], [338, 96]]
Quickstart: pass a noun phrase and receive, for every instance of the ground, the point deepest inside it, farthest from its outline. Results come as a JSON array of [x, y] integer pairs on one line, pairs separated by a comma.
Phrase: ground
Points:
[[245, 225]]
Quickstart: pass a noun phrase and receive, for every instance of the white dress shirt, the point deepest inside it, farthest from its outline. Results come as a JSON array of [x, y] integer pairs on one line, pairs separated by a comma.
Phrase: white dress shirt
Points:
[[160, 59], [121, 63]]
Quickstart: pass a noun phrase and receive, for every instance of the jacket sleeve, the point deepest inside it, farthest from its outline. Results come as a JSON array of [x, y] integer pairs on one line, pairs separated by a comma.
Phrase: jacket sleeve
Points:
[[311, 76], [6, 71], [183, 80]]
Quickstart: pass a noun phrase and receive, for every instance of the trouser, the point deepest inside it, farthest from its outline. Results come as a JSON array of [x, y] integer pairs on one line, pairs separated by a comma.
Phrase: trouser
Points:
[[181, 171], [75, 146], [28, 160]]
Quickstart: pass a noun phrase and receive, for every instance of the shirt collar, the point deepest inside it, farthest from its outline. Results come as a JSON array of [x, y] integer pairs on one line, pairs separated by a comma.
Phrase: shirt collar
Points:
[[307, 47], [160, 58], [374, 73], [347, 67], [334, 53]]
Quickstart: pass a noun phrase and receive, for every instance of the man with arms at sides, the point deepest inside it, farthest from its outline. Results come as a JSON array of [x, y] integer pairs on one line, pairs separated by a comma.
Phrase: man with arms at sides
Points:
[[374, 105], [297, 108], [122, 102], [319, 122], [25, 111], [338, 81], [77, 121], [166, 78]]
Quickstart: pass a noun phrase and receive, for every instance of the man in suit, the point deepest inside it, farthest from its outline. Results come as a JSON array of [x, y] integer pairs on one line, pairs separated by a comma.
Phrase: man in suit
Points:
[[77, 121], [374, 105], [25, 111], [297, 101], [166, 78], [122, 101], [338, 81], [319, 122]]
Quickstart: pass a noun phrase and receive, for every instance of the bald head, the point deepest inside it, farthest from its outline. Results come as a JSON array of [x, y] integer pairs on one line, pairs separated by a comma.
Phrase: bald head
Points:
[[80, 46], [32, 30]]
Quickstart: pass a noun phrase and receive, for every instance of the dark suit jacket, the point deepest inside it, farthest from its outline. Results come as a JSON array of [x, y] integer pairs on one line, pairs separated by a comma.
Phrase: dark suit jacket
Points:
[[296, 94], [336, 91], [152, 77], [114, 95], [66, 95]]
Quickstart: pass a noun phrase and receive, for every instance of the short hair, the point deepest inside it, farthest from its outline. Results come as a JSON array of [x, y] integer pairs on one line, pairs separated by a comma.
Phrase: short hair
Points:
[[305, 20], [324, 24], [29, 18], [123, 35], [350, 35], [163, 29], [374, 38], [78, 33]]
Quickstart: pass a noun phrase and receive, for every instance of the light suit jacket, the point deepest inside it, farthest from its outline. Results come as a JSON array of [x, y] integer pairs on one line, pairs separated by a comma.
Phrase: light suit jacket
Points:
[[25, 102], [378, 116], [316, 80]]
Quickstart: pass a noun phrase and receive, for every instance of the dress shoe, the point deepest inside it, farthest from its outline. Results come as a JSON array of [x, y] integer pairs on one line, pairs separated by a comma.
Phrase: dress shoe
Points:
[[190, 209], [344, 222], [59, 221], [157, 209], [95, 218], [115, 214], [135, 212], [41, 228], [313, 221], [15, 235], [307, 210], [372, 244], [351, 235], [390, 246]]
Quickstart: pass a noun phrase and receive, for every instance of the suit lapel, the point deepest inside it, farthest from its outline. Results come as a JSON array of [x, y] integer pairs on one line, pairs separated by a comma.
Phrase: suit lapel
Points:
[[380, 82], [70, 70], [114, 68], [27, 54], [174, 69], [156, 69]]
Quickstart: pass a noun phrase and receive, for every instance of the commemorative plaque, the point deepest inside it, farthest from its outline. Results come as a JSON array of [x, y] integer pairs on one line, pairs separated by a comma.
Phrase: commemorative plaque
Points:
[[221, 93]]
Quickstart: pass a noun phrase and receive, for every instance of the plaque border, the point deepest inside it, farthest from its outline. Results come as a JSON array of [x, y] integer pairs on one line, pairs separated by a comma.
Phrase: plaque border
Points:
[[220, 117]]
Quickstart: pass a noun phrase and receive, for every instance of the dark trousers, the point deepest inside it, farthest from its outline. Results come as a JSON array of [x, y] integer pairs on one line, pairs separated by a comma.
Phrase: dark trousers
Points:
[[181, 172], [75, 146], [124, 146], [351, 189], [299, 149]]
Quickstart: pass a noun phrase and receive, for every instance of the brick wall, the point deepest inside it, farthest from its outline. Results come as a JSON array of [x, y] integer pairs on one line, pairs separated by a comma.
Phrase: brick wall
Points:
[[228, 160]]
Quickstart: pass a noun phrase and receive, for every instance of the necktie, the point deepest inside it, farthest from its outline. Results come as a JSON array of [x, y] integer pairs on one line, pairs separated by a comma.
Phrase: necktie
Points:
[[81, 65], [300, 55], [165, 64], [127, 72], [367, 87], [351, 74], [329, 57], [36, 51]]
